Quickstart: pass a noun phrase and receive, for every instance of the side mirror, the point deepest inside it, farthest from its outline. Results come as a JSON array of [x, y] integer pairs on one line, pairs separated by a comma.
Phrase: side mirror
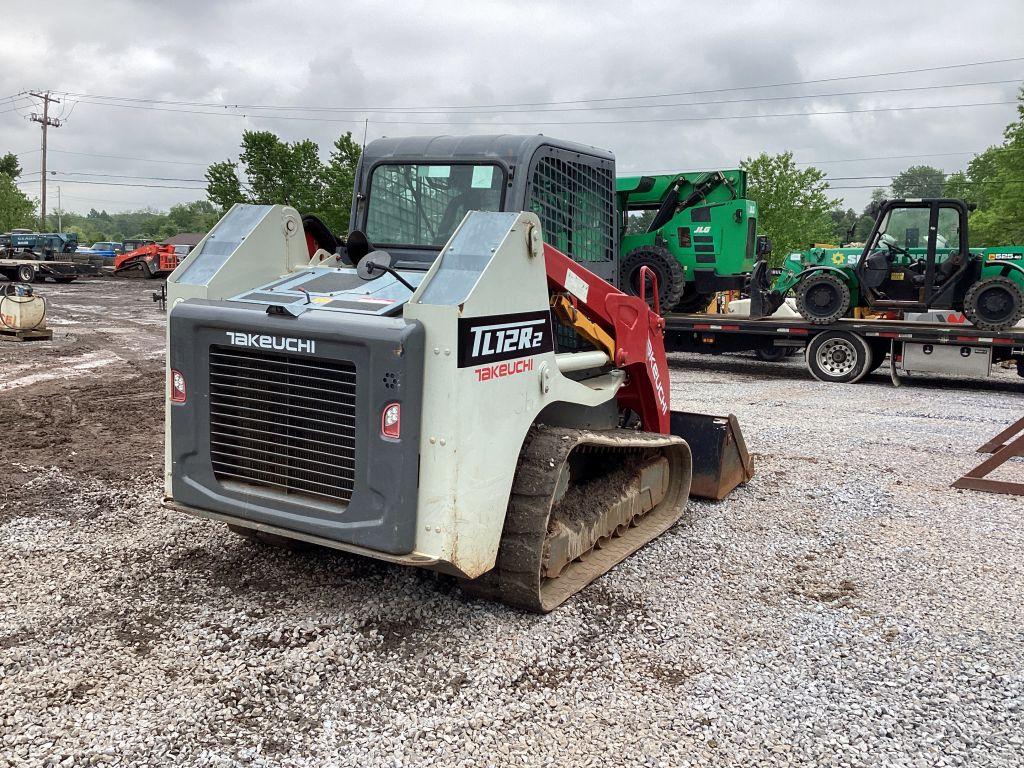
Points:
[[374, 265], [356, 246], [764, 245]]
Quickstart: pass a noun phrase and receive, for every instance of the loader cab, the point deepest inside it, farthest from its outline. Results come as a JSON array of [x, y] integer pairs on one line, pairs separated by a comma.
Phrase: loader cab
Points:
[[917, 256], [133, 245], [412, 193]]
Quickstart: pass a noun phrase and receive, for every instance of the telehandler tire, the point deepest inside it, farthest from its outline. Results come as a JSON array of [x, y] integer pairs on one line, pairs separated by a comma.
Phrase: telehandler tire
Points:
[[822, 298], [839, 357], [692, 301], [666, 268], [994, 304]]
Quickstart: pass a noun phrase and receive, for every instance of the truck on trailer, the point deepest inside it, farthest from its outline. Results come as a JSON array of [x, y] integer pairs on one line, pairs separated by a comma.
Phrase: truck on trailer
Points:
[[849, 349], [27, 256], [916, 261]]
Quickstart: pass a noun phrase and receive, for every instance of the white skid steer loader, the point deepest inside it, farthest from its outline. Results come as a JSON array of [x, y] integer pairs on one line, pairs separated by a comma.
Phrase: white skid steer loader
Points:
[[502, 415]]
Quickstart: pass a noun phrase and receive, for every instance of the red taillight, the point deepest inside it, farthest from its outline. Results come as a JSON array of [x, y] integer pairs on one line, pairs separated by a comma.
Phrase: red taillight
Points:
[[391, 421], [178, 386]]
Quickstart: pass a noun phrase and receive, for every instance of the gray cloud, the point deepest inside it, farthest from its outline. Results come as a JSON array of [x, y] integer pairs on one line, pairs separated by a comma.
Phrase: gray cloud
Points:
[[420, 54]]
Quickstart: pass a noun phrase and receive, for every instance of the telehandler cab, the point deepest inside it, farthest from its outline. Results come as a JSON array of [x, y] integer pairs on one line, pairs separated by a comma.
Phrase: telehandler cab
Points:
[[402, 393]]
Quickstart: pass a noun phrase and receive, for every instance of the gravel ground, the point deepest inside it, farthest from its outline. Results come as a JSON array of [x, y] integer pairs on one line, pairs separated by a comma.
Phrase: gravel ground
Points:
[[844, 608]]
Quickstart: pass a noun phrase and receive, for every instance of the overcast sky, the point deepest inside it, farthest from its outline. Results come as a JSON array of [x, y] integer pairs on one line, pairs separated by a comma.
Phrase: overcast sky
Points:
[[432, 56]]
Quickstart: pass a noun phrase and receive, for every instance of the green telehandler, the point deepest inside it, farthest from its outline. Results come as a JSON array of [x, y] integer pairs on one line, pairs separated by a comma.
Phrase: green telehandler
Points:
[[697, 232], [915, 259]]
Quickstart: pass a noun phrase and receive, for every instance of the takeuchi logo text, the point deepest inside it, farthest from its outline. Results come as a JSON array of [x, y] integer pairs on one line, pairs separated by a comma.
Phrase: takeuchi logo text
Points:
[[500, 370], [265, 341]]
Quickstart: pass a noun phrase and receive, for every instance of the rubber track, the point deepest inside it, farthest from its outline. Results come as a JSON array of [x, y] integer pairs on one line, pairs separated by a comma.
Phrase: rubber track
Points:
[[516, 577]]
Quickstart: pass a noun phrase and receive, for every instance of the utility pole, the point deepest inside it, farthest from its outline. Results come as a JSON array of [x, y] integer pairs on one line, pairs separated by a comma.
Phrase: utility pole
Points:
[[45, 121]]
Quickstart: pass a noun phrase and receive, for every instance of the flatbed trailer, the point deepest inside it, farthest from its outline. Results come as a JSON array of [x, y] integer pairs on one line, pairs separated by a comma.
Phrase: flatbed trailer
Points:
[[30, 270], [848, 350]]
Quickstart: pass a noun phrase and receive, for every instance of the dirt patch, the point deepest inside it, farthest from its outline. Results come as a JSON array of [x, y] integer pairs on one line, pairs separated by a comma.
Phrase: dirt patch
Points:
[[89, 402]]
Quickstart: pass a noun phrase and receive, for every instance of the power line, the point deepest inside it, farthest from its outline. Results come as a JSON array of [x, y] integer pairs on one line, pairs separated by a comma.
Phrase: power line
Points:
[[112, 101], [17, 105], [883, 186], [121, 184], [700, 118], [101, 200], [122, 157], [582, 101], [115, 176], [625, 172]]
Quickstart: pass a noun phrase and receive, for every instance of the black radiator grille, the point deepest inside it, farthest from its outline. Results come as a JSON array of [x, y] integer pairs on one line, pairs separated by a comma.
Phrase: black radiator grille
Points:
[[283, 421]]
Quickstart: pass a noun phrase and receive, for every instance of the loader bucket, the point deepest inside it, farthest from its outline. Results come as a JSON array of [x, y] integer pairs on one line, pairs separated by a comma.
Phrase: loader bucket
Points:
[[720, 458]]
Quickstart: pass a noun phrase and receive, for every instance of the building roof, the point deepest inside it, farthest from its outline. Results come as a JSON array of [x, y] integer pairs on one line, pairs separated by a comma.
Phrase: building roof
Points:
[[185, 238]]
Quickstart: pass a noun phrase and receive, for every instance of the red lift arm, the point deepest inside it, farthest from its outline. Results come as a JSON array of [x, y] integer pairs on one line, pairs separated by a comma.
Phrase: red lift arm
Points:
[[720, 457]]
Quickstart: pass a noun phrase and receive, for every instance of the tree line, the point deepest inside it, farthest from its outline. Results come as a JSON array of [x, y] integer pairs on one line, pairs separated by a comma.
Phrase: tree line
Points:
[[18, 210], [795, 208]]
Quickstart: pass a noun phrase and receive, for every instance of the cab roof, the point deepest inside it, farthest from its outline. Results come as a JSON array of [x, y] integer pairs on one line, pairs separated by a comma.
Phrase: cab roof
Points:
[[509, 148]]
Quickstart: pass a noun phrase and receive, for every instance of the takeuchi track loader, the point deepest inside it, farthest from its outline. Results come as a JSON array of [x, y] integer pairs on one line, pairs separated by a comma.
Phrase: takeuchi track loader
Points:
[[467, 397]]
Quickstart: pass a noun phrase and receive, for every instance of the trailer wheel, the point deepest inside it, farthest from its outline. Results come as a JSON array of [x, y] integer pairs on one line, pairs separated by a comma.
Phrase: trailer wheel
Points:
[[838, 356], [26, 273], [767, 352], [668, 270], [822, 298], [879, 351], [994, 304]]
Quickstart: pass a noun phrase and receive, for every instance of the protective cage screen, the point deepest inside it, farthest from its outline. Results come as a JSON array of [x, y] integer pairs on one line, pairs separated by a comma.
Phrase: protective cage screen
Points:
[[576, 205]]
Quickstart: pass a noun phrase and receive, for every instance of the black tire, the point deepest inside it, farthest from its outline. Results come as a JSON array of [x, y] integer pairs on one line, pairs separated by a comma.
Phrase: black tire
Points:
[[822, 298], [994, 304], [671, 278], [692, 301], [879, 350], [839, 357], [26, 273], [769, 353]]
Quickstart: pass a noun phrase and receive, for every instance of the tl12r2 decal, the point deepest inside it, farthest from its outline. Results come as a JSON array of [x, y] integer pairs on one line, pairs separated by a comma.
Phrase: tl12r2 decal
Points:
[[495, 338]]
